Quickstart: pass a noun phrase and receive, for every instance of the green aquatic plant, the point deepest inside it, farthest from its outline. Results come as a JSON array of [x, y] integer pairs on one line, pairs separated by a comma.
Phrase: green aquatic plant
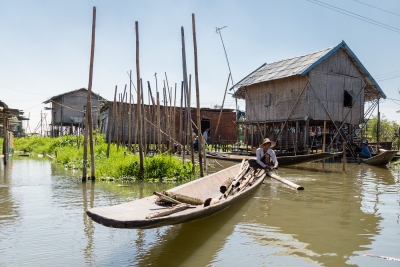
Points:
[[121, 164]]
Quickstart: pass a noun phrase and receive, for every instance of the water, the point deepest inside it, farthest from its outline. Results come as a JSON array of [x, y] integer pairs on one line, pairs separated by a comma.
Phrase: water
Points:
[[339, 217]]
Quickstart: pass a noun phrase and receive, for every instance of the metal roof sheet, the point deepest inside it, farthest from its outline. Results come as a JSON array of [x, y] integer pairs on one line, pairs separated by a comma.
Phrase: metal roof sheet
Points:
[[301, 65]]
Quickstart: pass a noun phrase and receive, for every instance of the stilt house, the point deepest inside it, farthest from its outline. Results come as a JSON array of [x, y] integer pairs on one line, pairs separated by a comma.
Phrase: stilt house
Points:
[[68, 112], [288, 101]]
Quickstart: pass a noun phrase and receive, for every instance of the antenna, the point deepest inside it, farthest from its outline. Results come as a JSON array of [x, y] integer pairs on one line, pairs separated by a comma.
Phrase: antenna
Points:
[[218, 30]]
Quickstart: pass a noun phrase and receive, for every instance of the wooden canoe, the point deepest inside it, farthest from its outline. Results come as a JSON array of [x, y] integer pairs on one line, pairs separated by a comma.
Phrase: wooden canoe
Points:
[[282, 160], [133, 214], [383, 158]]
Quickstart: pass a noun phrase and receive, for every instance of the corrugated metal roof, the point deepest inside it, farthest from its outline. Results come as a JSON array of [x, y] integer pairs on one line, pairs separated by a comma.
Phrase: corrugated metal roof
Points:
[[282, 69], [301, 65], [72, 92]]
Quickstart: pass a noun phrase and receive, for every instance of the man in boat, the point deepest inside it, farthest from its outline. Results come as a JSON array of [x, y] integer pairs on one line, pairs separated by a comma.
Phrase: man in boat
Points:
[[266, 158], [365, 153]]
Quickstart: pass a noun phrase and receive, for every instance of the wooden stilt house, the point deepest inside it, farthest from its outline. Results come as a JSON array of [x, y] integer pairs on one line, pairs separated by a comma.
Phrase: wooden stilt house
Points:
[[68, 112], [289, 100]]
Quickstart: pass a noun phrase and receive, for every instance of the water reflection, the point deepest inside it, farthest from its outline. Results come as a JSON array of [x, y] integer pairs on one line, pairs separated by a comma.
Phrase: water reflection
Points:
[[195, 242], [338, 217]]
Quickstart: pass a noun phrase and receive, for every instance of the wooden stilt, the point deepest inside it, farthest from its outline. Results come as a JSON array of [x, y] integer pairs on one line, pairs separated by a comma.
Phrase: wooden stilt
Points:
[[88, 127], [196, 75], [139, 114]]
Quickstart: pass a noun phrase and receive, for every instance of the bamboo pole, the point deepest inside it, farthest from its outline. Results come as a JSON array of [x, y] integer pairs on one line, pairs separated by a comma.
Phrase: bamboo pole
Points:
[[158, 123], [169, 211], [222, 107], [117, 114], [181, 117], [130, 113], [139, 114], [280, 179], [184, 198], [295, 103], [154, 112], [196, 76], [254, 112], [5, 136], [327, 113], [144, 126], [166, 198], [189, 125], [109, 124], [122, 117], [174, 117], [323, 145], [88, 128], [344, 156]]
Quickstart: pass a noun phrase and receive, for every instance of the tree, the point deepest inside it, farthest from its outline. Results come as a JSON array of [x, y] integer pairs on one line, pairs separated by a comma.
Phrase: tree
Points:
[[389, 130]]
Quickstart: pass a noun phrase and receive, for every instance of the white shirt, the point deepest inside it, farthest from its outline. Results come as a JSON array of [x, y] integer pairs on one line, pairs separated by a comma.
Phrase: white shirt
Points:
[[260, 153], [205, 135]]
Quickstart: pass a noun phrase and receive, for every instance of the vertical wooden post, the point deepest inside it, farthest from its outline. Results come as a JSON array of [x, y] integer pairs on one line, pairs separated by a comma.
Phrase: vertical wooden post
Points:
[[144, 120], [117, 114], [109, 122], [130, 113], [222, 107], [174, 116], [189, 126], [378, 129], [196, 76], [5, 136], [307, 136], [158, 123], [88, 126], [344, 156], [180, 119], [323, 145], [139, 114]]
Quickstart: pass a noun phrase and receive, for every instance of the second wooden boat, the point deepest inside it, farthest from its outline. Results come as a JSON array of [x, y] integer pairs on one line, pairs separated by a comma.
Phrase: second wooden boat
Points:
[[282, 160], [382, 159], [135, 214]]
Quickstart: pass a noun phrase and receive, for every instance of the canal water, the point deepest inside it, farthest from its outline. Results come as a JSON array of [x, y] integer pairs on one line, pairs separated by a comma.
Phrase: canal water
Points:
[[340, 219]]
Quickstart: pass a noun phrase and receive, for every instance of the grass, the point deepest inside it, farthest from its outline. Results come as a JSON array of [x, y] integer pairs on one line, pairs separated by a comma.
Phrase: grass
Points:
[[120, 165]]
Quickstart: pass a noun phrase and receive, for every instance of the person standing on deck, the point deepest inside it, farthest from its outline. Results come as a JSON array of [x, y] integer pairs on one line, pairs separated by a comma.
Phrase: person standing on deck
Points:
[[205, 135], [266, 158]]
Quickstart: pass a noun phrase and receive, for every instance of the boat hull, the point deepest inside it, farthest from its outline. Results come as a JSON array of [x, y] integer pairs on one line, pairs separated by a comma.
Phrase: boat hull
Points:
[[381, 159], [133, 214]]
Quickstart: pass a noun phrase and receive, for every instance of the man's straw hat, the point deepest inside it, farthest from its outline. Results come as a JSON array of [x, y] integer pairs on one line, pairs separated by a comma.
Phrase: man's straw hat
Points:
[[266, 140]]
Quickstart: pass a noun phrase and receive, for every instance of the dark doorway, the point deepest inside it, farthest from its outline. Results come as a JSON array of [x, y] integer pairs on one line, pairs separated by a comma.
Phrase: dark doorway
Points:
[[205, 123]]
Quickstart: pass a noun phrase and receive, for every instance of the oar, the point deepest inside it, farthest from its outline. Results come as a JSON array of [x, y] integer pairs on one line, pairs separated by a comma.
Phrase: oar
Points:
[[280, 179]]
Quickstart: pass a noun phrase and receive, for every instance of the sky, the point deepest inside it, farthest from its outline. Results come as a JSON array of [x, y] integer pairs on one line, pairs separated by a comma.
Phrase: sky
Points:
[[45, 45]]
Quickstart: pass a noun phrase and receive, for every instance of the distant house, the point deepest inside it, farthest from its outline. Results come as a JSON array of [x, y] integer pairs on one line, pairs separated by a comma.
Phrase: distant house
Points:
[[289, 100], [8, 120], [68, 112]]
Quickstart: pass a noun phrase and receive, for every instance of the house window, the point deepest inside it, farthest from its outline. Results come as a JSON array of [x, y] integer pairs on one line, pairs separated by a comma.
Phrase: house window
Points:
[[348, 99]]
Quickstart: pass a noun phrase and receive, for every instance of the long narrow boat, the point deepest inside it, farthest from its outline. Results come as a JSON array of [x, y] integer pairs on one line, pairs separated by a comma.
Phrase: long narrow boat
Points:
[[383, 158], [283, 160], [133, 214]]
